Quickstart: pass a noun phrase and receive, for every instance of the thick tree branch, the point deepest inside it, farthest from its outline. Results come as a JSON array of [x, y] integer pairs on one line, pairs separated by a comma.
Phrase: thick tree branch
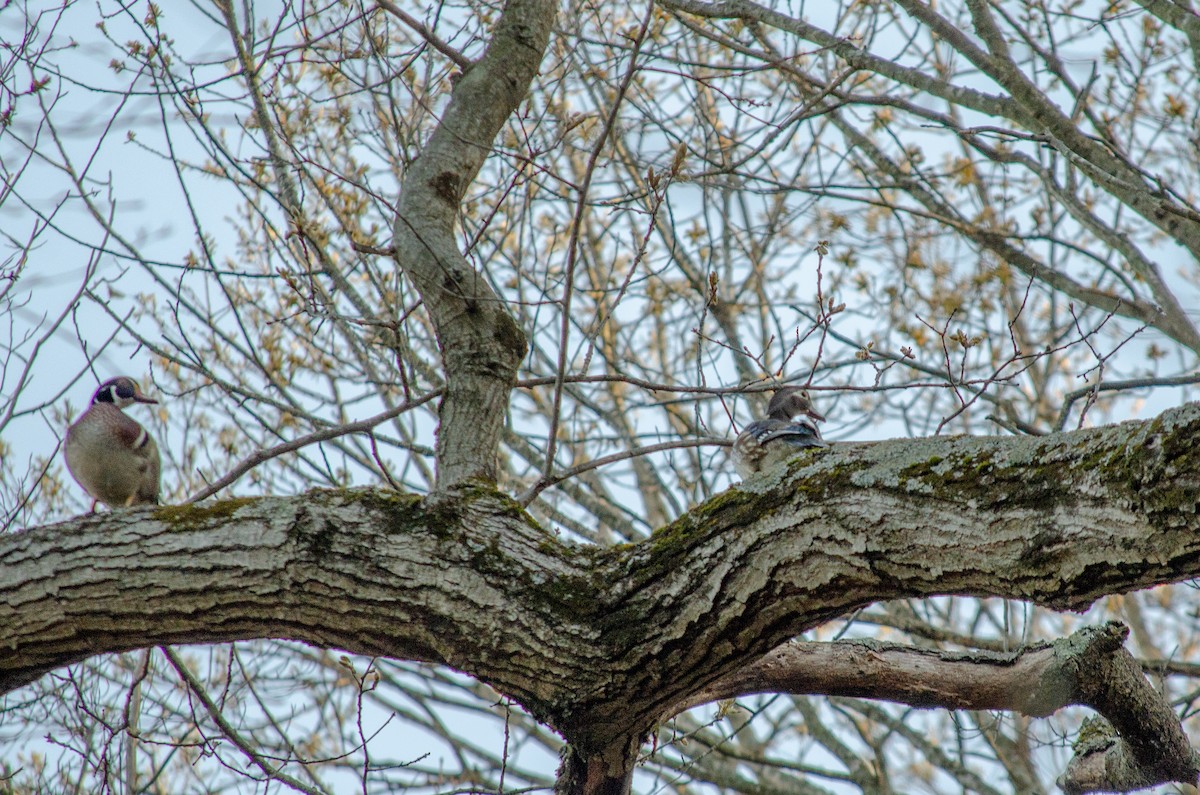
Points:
[[1090, 668], [601, 644], [481, 344], [1026, 681]]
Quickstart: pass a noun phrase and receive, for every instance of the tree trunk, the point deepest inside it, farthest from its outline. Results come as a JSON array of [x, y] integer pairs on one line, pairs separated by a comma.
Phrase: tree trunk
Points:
[[607, 770]]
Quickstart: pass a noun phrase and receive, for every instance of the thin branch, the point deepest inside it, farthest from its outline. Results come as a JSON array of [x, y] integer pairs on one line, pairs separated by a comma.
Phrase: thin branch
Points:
[[231, 733], [323, 435]]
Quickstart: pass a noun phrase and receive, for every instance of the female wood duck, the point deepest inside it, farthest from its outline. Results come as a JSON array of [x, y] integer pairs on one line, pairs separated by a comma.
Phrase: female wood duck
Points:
[[109, 454], [788, 428]]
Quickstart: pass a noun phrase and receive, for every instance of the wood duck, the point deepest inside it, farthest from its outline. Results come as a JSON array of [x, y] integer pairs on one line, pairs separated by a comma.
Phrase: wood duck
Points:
[[109, 454], [788, 428]]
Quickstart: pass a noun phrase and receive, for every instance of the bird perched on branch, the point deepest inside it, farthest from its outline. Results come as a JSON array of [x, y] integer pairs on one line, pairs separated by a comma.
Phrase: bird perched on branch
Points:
[[109, 453], [790, 426]]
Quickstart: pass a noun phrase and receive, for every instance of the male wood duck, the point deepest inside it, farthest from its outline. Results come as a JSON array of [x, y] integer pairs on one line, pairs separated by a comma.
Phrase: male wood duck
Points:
[[109, 454], [788, 428]]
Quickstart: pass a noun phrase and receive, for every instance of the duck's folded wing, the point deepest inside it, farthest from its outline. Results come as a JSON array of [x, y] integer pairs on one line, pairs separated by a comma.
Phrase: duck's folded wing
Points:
[[798, 432]]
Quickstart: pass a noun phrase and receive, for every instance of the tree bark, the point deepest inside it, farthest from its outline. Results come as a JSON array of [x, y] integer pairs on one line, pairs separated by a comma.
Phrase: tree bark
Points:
[[601, 644], [598, 770]]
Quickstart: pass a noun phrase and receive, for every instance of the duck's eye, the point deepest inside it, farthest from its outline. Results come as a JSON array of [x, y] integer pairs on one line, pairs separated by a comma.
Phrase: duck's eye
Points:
[[125, 390]]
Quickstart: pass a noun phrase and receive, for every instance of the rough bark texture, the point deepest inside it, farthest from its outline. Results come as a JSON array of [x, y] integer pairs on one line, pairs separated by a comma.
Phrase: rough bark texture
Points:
[[480, 343], [602, 643], [1144, 744]]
